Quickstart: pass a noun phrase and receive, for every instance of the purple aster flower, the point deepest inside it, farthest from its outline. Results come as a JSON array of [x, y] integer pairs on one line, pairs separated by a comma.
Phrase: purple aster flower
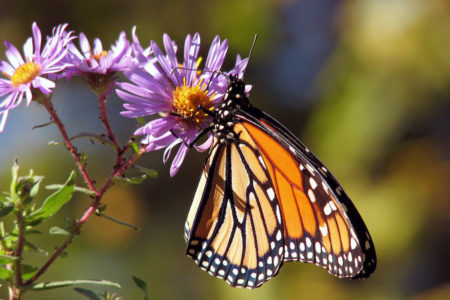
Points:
[[160, 84], [97, 66], [26, 77]]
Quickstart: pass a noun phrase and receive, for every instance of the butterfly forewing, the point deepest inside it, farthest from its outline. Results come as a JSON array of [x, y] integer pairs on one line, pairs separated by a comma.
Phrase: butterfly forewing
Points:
[[342, 243], [325, 188]]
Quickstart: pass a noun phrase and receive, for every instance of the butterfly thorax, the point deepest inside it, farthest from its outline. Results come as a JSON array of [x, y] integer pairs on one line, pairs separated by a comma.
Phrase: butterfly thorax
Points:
[[234, 100]]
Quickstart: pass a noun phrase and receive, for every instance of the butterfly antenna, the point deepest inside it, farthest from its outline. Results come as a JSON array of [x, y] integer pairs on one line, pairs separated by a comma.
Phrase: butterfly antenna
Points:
[[253, 46], [182, 68]]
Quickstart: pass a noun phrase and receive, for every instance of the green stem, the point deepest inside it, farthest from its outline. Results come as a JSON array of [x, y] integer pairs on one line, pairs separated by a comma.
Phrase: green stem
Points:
[[19, 250]]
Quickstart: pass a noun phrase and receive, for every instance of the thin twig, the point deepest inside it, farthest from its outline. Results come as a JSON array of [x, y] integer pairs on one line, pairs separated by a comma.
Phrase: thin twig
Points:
[[105, 120]]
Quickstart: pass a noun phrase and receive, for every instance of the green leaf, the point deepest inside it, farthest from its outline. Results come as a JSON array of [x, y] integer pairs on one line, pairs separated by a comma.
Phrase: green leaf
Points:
[[35, 189], [88, 293], [58, 231], [150, 172], [77, 189], [53, 203], [135, 147], [141, 121], [54, 143], [6, 259], [28, 271], [65, 283], [27, 187], [5, 273], [31, 246], [3, 198], [6, 208], [142, 285], [15, 176], [99, 213], [132, 180], [43, 125]]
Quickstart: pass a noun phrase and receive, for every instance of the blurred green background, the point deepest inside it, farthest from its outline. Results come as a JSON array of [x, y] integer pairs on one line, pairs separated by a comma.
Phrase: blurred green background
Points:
[[365, 84]]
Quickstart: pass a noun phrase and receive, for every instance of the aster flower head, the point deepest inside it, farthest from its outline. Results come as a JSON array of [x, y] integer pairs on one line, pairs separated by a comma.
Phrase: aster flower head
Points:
[[28, 75], [96, 65], [161, 85]]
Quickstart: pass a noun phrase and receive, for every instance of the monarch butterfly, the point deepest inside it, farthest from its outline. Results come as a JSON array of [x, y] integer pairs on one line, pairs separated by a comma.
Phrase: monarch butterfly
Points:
[[264, 198]]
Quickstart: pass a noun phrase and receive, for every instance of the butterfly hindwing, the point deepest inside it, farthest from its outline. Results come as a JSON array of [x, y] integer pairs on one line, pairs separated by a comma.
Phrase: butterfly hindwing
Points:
[[232, 228]]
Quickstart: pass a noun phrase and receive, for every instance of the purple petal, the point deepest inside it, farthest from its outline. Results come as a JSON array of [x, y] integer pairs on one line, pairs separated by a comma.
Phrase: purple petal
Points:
[[28, 49], [191, 49], [206, 145], [98, 47], [168, 150], [13, 55], [4, 115], [84, 45], [178, 160], [37, 38], [6, 68], [46, 84]]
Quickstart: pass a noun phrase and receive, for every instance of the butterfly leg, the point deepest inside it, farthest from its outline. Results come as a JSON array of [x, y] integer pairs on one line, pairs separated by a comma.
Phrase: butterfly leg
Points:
[[195, 140]]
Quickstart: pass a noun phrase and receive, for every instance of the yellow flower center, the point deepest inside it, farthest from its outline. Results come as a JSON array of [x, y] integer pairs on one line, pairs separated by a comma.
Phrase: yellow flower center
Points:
[[96, 57], [188, 99], [25, 73]]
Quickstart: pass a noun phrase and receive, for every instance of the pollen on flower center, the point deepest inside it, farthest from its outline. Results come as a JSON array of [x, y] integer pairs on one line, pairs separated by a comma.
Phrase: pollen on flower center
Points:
[[187, 99], [25, 73], [96, 57]]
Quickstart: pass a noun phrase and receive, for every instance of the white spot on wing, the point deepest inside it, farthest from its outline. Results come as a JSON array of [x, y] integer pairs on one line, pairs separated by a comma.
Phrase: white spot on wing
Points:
[[327, 209], [311, 196], [271, 193], [332, 205], [261, 160], [313, 183], [278, 237], [292, 149], [310, 169], [302, 246], [353, 243], [323, 229], [318, 247], [278, 214], [308, 242]]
